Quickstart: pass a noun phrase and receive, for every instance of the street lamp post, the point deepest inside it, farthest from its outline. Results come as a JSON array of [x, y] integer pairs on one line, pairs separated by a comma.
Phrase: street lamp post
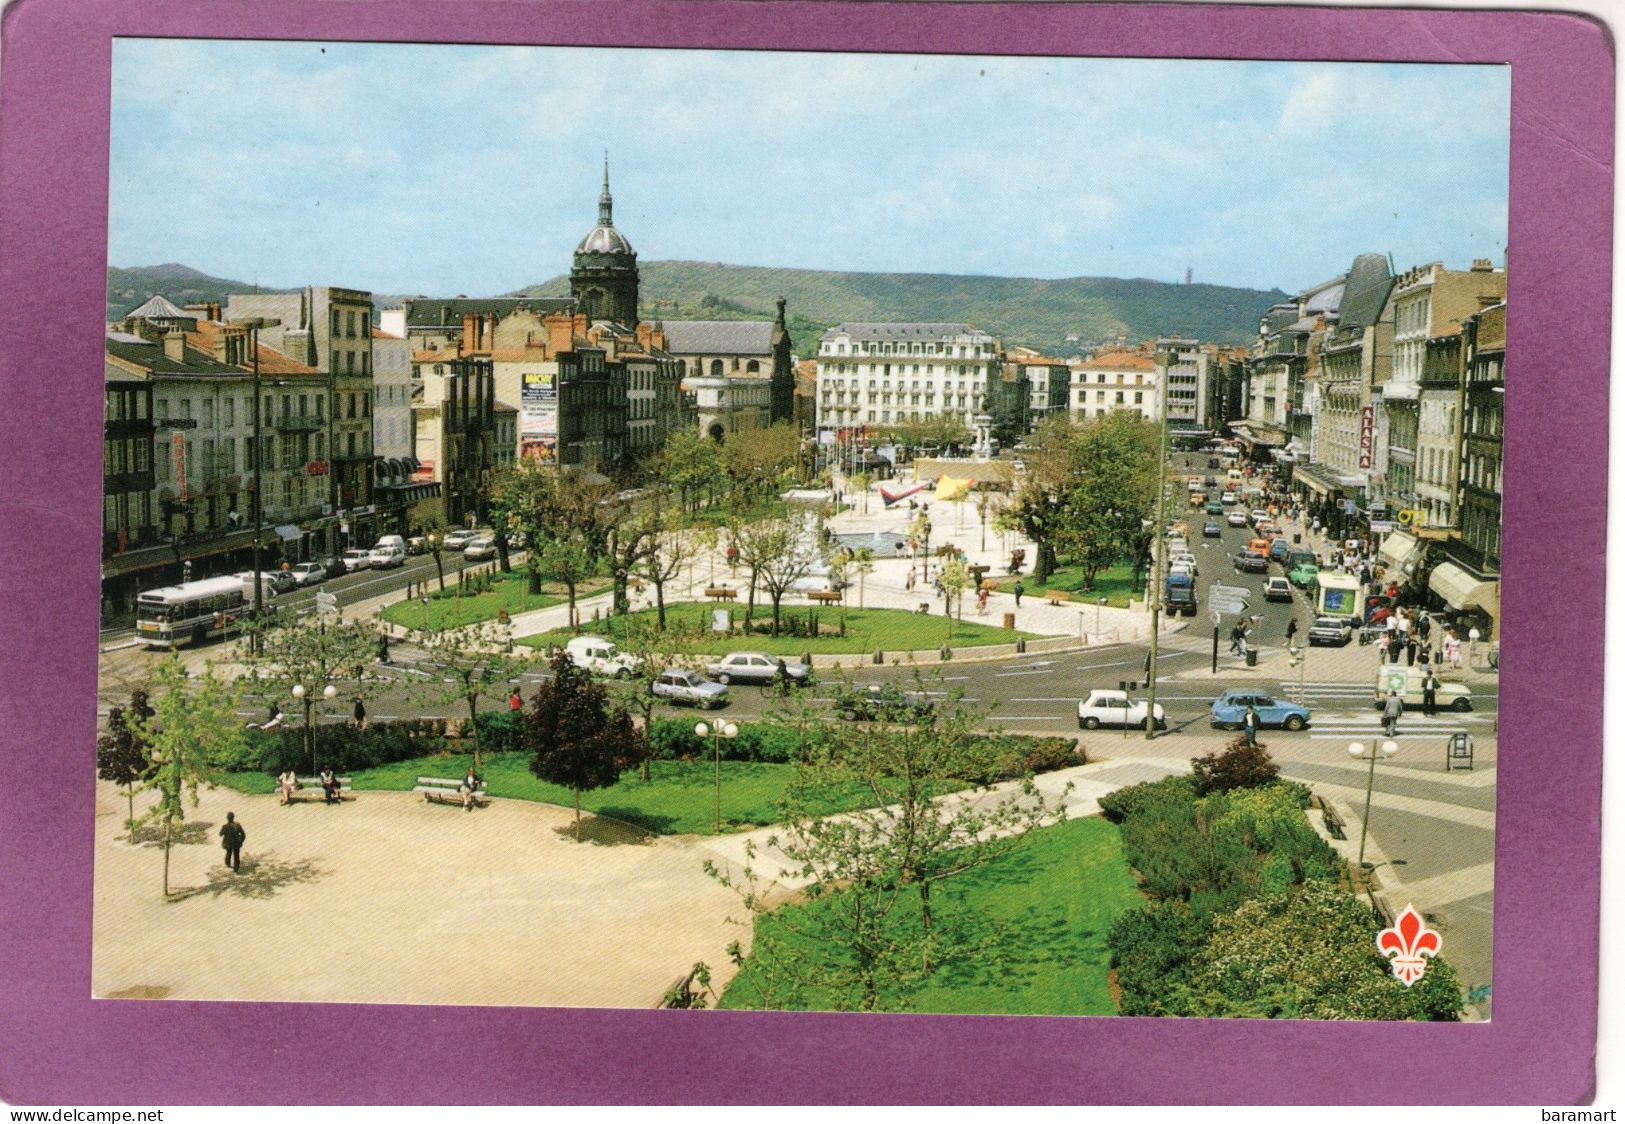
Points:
[[1098, 605], [308, 701], [1386, 749], [716, 733], [1160, 553], [253, 325]]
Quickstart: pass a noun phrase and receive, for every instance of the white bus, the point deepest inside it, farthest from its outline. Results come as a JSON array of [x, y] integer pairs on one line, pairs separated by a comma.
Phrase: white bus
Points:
[[195, 611]]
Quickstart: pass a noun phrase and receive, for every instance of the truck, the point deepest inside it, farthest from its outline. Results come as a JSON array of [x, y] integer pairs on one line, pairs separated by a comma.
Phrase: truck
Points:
[[1179, 595], [1337, 595]]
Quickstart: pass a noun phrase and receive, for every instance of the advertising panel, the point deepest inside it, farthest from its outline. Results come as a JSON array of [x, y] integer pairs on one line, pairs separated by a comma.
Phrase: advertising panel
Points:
[[538, 415]]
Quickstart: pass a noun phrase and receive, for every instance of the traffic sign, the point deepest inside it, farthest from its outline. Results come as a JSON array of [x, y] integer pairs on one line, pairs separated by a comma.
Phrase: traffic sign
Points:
[[327, 600], [1229, 607], [1236, 591]]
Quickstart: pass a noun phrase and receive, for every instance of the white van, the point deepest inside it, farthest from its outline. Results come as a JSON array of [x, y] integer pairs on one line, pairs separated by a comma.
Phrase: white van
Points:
[[601, 657], [390, 551], [1407, 680]]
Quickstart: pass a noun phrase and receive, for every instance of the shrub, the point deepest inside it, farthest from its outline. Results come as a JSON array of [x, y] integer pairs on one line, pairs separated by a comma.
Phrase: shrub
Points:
[[1125, 802], [1239, 765], [1151, 950], [674, 738], [342, 748], [1011, 756], [1309, 953]]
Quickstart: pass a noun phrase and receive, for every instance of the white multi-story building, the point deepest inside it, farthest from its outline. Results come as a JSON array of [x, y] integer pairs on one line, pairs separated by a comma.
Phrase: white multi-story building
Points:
[[883, 374], [1182, 366], [1115, 380]]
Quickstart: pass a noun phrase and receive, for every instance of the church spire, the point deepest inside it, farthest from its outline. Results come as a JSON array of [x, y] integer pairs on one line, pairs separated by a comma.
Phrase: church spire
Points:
[[605, 203]]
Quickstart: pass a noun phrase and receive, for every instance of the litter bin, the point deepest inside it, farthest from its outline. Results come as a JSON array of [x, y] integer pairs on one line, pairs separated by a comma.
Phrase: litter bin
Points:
[[1296, 538], [1009, 620], [1252, 657]]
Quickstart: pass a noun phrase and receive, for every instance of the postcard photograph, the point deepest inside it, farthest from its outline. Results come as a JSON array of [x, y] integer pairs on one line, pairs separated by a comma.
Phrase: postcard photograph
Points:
[[635, 528]]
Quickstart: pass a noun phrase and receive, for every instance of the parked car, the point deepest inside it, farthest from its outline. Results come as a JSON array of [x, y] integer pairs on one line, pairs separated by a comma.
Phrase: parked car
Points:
[[601, 657], [1303, 574], [1257, 515], [756, 667], [1331, 631], [480, 549], [357, 560], [1211, 529], [334, 565], [1214, 507], [386, 556], [1236, 518], [457, 540], [417, 544], [1211, 481], [689, 687], [1115, 708], [1229, 709], [1184, 556], [884, 702], [1252, 562], [1279, 549], [309, 573], [1277, 589]]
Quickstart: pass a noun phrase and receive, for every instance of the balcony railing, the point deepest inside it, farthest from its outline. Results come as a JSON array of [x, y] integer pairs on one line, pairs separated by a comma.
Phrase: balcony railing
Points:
[[300, 423]]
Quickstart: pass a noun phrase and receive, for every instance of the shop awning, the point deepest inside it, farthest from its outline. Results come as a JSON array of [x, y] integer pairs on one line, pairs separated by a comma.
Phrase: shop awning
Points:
[[289, 531], [1401, 549], [1318, 478], [1461, 589]]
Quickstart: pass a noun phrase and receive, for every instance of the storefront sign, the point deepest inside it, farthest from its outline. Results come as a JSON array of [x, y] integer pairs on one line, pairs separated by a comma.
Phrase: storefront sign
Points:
[[1367, 434], [316, 468], [424, 473]]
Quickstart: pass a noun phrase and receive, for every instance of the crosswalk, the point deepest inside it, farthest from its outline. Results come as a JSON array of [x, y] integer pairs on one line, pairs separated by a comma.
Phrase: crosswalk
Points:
[[1416, 727]]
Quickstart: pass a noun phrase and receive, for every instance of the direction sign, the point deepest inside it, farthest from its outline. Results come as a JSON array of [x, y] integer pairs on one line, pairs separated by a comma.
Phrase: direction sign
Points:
[[1229, 607], [1236, 591], [327, 600]]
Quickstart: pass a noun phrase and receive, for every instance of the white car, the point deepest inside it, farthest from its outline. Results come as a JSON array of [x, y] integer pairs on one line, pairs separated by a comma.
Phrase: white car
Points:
[[756, 667], [1236, 518], [357, 560], [309, 573], [601, 657], [456, 540], [1115, 708], [386, 557], [688, 687], [480, 549], [1185, 556]]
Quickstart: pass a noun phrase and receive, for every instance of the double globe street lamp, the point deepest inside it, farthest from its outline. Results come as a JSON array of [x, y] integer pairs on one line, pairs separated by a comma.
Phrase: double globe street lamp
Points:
[[716, 732], [1357, 750], [329, 693]]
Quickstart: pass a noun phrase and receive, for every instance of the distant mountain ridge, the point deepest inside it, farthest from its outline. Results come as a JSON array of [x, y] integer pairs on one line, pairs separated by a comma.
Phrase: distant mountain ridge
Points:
[[1027, 311]]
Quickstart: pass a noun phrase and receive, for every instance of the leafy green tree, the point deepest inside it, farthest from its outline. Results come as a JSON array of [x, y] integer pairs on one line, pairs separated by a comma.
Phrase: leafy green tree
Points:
[[778, 552], [479, 661], [1110, 494], [193, 726], [569, 560], [1039, 509], [863, 563], [121, 754], [860, 868], [956, 579], [575, 738], [312, 652], [627, 547], [656, 649], [670, 548], [687, 462], [756, 461]]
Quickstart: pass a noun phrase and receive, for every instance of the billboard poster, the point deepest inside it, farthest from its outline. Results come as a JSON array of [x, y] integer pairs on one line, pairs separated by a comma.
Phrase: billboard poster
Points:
[[538, 415]]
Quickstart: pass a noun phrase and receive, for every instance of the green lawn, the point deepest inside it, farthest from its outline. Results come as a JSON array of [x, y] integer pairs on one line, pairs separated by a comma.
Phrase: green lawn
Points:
[[1112, 583], [891, 630], [509, 591], [678, 800], [1048, 905]]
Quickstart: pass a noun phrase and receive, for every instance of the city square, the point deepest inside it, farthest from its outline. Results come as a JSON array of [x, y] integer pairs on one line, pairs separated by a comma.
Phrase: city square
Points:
[[606, 646]]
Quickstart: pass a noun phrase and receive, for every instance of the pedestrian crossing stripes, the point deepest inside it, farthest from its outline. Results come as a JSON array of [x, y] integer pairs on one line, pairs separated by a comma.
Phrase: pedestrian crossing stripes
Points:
[[1410, 727]]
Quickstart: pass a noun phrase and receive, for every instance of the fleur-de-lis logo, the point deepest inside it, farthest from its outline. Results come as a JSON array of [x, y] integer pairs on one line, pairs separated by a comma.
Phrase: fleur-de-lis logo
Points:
[[1408, 944]]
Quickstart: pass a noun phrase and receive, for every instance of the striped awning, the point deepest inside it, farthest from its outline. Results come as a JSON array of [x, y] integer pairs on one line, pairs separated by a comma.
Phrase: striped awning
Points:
[[1461, 589], [1401, 549]]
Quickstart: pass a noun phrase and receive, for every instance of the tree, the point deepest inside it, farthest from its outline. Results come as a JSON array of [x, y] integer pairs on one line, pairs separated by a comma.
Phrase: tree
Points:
[[193, 726], [756, 460], [860, 867], [121, 753], [1111, 493], [955, 579], [779, 552], [568, 560], [655, 649], [480, 663], [1039, 507], [628, 544], [669, 549], [312, 653], [687, 462], [575, 738], [550, 504], [863, 562]]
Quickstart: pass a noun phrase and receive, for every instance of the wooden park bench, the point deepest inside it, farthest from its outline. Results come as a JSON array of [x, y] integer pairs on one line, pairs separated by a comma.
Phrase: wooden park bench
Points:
[[824, 596], [722, 594], [1333, 821], [310, 788], [443, 790], [1056, 597]]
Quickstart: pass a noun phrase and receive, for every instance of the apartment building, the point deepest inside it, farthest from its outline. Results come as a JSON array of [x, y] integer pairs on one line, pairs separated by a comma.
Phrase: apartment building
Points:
[[1114, 380], [876, 374]]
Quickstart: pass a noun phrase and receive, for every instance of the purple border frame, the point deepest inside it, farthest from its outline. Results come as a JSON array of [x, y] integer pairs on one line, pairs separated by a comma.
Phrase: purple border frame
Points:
[[58, 1045]]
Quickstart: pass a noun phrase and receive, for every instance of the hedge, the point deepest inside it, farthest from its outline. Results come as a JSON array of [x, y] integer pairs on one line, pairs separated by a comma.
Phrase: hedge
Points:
[[342, 748]]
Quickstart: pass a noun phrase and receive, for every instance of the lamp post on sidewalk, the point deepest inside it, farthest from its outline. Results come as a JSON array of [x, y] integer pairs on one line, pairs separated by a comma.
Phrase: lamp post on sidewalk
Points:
[[1357, 750], [1298, 657], [716, 732], [252, 326]]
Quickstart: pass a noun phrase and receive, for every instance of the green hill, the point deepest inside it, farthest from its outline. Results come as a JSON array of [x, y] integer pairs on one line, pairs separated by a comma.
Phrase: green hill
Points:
[[1019, 310]]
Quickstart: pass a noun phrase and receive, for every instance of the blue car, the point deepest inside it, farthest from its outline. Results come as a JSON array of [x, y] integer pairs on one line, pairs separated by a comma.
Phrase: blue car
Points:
[[1229, 708], [1279, 549]]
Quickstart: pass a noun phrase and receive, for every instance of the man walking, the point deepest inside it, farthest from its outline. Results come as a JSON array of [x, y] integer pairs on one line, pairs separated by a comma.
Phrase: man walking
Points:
[[1291, 630], [1249, 725], [1238, 636], [360, 713], [1430, 692], [1391, 710], [1018, 589], [232, 837]]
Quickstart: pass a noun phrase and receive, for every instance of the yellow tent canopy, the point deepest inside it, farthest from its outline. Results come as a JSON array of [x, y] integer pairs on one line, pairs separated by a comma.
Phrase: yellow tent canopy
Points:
[[951, 488]]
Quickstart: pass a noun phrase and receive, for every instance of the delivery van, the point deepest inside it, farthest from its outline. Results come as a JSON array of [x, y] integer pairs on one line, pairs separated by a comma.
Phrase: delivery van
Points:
[[1407, 680], [1337, 595]]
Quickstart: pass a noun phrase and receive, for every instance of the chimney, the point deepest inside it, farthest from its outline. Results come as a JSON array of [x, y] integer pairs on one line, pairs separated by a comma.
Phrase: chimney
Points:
[[645, 334], [558, 334], [175, 345], [1482, 265], [471, 334]]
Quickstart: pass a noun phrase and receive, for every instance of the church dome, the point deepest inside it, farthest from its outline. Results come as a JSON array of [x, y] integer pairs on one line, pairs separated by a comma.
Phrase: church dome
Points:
[[605, 239]]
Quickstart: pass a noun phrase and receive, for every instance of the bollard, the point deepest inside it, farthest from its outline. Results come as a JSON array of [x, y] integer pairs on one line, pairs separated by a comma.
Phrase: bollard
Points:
[[1021, 646], [880, 657], [947, 652]]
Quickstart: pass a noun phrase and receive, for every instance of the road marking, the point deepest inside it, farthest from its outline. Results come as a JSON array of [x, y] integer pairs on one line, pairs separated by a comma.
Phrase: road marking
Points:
[[1068, 699], [1031, 717], [1006, 674]]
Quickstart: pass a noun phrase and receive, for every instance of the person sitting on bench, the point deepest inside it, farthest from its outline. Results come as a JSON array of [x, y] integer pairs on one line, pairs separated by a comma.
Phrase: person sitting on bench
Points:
[[330, 787], [469, 788]]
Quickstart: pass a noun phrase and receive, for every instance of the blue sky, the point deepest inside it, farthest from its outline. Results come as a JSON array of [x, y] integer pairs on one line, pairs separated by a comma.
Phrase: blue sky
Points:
[[462, 169]]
